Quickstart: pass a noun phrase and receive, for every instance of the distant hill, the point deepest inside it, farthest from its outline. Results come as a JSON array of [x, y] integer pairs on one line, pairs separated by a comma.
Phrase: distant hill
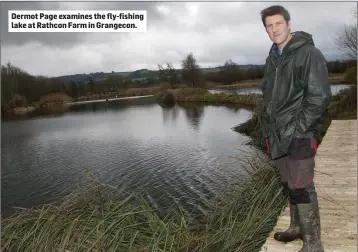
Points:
[[99, 76], [142, 73], [135, 75]]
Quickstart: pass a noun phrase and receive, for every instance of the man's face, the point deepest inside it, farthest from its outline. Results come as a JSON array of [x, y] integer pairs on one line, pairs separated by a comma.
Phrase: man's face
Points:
[[277, 28]]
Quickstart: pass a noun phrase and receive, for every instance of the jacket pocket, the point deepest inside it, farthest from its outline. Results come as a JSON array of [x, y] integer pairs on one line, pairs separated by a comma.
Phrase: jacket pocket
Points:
[[284, 130], [285, 127]]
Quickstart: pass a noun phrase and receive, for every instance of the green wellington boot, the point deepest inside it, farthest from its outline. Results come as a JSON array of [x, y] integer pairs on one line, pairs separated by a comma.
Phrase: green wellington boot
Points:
[[310, 225], [293, 232]]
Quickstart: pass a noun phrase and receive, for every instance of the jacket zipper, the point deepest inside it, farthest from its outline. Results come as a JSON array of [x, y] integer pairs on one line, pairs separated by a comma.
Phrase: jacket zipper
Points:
[[274, 94], [280, 61]]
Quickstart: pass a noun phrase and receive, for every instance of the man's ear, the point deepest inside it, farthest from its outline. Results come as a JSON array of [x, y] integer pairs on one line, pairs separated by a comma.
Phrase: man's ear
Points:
[[289, 25]]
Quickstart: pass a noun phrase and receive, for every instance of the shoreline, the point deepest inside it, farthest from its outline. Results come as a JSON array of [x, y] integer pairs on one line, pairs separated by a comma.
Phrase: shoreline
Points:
[[109, 99]]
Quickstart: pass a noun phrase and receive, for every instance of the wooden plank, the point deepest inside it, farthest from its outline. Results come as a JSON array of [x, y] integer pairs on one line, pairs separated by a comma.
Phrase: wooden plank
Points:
[[336, 185]]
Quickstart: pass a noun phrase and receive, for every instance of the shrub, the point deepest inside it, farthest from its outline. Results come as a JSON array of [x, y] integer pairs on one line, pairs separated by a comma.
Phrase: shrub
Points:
[[350, 75], [166, 98], [344, 104]]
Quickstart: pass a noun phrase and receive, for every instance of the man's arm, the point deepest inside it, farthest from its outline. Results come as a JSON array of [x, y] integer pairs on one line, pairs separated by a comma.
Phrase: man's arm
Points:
[[317, 92]]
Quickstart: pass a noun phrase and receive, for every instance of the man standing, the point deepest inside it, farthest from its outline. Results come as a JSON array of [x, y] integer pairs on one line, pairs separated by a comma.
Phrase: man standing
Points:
[[296, 94]]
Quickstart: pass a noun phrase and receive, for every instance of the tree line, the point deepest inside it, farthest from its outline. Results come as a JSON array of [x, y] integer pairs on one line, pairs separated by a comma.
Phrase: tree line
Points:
[[18, 82], [15, 81]]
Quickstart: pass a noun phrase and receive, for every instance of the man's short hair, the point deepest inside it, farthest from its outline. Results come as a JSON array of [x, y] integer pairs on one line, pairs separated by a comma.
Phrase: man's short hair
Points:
[[275, 10]]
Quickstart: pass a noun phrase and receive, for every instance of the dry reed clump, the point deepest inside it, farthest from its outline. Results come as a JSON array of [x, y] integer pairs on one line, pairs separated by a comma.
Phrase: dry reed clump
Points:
[[248, 212], [94, 218], [101, 218]]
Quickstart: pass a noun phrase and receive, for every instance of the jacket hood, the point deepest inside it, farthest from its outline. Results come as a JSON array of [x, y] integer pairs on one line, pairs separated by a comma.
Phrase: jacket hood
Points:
[[299, 39]]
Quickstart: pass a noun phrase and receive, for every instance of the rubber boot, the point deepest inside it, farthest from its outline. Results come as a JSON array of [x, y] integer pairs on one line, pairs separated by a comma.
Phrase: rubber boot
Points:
[[293, 232], [310, 225]]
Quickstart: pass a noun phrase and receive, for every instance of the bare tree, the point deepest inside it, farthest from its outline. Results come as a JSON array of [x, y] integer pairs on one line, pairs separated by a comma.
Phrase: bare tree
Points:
[[191, 71], [168, 74], [162, 73], [347, 39], [172, 75]]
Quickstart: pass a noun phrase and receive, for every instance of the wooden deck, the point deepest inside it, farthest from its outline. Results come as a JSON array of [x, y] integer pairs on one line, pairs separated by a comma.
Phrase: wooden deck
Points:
[[336, 185]]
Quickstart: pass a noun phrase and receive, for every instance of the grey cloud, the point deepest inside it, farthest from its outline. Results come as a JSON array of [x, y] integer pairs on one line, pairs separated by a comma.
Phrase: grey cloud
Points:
[[213, 31]]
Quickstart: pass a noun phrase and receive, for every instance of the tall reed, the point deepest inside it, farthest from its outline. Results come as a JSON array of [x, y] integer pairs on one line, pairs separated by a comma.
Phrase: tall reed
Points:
[[99, 217]]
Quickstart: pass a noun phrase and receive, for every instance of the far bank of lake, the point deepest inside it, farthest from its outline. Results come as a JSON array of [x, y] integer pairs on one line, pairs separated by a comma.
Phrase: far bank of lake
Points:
[[254, 90]]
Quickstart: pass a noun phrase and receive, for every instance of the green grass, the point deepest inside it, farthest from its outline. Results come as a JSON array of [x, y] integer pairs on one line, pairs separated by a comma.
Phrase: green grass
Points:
[[101, 218]]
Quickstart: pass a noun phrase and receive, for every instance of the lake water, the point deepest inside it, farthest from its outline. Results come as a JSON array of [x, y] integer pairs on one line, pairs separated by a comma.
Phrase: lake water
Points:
[[179, 154], [335, 89]]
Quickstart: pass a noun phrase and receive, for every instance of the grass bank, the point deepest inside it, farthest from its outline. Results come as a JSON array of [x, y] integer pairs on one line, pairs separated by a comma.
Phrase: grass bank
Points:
[[183, 95], [334, 79], [99, 217]]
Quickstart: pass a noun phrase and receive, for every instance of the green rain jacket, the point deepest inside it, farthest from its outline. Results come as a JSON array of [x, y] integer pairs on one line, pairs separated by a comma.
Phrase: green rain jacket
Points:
[[296, 93]]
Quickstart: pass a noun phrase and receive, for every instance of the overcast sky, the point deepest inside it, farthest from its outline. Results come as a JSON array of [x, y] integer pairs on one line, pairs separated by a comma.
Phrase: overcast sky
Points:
[[213, 31]]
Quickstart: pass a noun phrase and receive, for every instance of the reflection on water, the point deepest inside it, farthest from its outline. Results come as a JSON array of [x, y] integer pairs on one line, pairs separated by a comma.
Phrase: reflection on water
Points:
[[170, 113], [194, 115], [182, 154]]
